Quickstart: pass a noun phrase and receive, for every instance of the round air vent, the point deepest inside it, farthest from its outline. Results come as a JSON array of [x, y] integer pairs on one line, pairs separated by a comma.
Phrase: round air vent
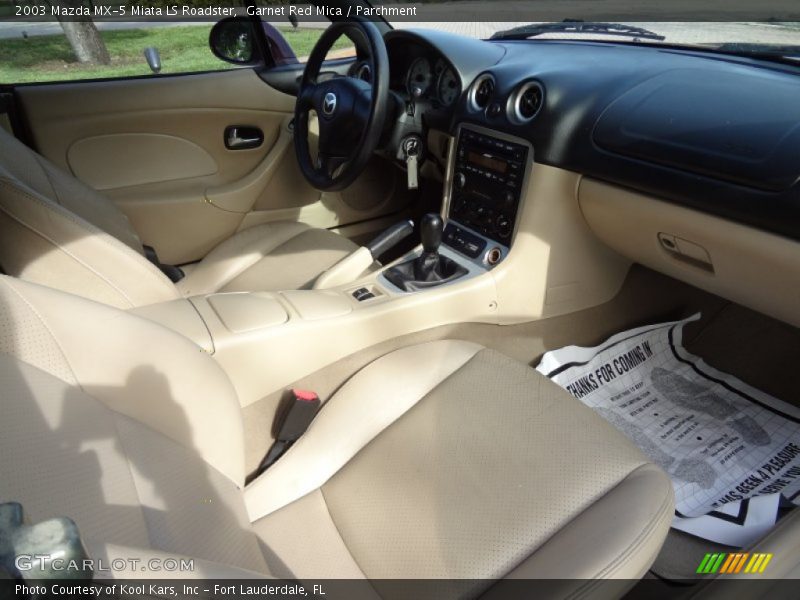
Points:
[[481, 92], [526, 101]]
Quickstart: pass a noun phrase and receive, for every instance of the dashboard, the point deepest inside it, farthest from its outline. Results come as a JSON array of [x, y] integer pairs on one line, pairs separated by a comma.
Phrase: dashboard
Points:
[[717, 133]]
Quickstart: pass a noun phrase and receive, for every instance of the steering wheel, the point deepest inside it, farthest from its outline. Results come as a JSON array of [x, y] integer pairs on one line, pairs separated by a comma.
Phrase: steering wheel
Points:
[[351, 112]]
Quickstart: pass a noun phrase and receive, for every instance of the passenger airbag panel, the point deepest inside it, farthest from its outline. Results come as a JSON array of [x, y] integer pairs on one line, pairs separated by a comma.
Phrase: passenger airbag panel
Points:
[[710, 124]]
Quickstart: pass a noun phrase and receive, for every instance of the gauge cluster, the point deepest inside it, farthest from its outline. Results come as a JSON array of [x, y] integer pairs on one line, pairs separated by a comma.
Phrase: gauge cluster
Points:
[[423, 75], [427, 77], [448, 88]]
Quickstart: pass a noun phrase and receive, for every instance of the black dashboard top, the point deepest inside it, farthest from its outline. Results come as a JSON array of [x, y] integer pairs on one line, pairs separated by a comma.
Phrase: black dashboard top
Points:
[[715, 132]]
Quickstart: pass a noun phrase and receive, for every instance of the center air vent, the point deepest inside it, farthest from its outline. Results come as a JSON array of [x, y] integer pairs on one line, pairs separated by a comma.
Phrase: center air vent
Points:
[[526, 101], [481, 92]]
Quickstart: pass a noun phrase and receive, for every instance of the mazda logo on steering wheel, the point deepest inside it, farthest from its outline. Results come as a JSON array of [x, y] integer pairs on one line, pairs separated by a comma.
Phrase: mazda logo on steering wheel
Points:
[[329, 103]]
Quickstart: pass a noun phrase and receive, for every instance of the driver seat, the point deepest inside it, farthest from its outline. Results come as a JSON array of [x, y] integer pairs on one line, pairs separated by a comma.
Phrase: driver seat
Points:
[[56, 231]]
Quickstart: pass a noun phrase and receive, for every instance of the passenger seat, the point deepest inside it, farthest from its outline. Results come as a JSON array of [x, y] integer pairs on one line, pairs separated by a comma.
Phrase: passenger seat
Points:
[[442, 461]]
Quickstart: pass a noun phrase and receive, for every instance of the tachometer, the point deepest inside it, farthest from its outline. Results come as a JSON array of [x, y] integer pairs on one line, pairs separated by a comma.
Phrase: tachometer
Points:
[[448, 88], [420, 77]]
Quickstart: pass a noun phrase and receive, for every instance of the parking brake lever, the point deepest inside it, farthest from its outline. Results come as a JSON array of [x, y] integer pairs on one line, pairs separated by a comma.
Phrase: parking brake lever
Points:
[[353, 265], [390, 238]]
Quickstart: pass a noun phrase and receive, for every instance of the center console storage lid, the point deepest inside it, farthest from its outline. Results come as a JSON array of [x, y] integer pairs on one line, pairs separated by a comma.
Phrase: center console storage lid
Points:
[[248, 311]]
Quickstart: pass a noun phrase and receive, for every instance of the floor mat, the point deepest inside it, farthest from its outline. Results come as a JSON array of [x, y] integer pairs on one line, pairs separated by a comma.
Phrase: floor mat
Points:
[[730, 449], [759, 350]]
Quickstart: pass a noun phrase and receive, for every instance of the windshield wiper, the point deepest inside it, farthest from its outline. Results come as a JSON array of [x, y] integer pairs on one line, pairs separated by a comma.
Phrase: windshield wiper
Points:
[[578, 27]]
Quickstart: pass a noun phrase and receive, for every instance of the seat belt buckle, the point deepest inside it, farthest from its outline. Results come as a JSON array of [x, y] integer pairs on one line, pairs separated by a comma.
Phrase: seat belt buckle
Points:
[[299, 410]]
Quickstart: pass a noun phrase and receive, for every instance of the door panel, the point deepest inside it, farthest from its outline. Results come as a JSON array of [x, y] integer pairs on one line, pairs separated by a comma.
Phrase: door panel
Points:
[[190, 106], [177, 128], [149, 158], [175, 219], [277, 191], [156, 147]]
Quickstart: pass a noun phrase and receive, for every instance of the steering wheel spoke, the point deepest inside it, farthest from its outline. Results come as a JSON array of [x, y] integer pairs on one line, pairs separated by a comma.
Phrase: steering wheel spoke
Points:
[[328, 164], [306, 98]]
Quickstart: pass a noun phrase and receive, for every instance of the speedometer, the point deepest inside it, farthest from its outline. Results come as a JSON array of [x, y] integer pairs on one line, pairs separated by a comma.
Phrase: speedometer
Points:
[[449, 88], [420, 77]]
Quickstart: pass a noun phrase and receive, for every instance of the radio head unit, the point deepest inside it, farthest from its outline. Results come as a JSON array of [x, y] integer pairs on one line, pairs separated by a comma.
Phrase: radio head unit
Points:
[[487, 179]]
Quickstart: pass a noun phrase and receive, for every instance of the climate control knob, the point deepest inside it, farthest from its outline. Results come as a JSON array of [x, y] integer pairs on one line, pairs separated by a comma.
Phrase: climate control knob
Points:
[[503, 226]]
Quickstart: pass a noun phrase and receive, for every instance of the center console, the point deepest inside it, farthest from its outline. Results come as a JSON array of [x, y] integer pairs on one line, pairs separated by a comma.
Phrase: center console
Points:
[[258, 337], [489, 170], [486, 178]]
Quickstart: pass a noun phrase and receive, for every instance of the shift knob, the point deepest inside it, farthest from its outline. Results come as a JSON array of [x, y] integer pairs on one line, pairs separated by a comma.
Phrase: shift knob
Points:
[[431, 232]]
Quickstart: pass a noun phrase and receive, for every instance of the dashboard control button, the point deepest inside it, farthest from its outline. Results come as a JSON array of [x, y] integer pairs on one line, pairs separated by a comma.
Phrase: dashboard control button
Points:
[[463, 241], [362, 294]]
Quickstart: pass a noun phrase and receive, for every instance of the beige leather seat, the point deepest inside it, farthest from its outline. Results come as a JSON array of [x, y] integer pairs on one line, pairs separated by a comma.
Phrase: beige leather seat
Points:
[[442, 461], [59, 232]]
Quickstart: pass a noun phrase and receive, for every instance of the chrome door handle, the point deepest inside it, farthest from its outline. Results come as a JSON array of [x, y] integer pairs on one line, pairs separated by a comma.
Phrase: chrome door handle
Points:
[[243, 137]]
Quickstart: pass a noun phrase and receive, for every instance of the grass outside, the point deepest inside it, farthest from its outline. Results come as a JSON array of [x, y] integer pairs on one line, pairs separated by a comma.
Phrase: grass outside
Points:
[[182, 49]]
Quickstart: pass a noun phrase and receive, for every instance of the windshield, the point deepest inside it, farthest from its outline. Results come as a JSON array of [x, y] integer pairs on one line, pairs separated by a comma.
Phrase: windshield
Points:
[[777, 33], [700, 33], [763, 32]]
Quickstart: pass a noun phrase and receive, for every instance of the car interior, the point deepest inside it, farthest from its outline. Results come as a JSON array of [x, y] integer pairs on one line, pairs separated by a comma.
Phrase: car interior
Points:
[[400, 235]]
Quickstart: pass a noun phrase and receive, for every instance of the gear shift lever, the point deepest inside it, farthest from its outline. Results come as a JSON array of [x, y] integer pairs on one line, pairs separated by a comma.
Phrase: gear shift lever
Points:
[[430, 268], [431, 228], [426, 265]]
